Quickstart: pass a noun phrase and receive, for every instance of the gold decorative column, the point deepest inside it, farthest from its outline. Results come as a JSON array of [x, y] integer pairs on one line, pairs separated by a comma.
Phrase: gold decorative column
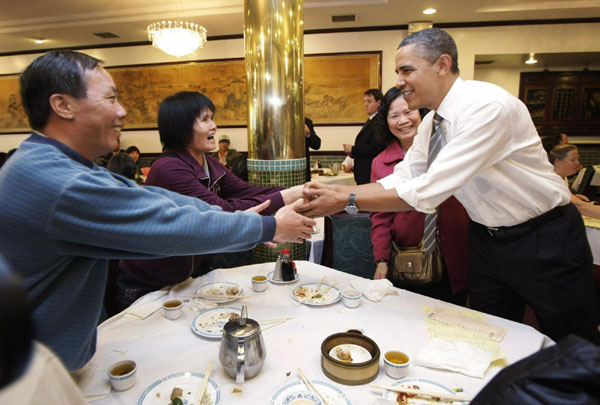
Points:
[[274, 50]]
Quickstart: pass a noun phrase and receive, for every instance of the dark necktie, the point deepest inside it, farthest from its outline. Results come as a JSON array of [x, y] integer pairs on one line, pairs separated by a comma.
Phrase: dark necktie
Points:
[[435, 144]]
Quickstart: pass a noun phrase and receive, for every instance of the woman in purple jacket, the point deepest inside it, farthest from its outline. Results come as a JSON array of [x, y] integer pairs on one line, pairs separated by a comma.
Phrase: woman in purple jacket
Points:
[[398, 126], [187, 133]]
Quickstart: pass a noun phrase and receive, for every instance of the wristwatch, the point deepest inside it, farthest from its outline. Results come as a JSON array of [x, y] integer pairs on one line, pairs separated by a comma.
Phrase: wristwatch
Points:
[[351, 207]]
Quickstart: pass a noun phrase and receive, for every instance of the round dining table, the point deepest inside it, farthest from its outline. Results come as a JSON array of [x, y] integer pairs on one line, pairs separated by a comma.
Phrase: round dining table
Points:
[[292, 333]]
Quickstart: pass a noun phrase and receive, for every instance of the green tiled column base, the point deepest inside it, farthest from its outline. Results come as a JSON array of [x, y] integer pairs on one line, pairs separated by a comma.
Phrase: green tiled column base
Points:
[[285, 173]]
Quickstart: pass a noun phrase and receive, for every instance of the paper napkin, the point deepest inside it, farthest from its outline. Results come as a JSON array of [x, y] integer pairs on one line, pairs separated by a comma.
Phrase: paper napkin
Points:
[[146, 305], [374, 290], [461, 357]]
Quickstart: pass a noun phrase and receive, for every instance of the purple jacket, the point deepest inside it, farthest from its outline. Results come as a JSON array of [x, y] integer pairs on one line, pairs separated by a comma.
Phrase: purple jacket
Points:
[[180, 172], [406, 228]]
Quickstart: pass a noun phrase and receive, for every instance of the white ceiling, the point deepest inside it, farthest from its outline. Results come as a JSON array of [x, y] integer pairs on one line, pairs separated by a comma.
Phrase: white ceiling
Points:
[[71, 23]]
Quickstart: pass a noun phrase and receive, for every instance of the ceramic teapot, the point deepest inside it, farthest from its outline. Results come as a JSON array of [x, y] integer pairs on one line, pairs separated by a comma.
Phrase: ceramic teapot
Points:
[[242, 351]]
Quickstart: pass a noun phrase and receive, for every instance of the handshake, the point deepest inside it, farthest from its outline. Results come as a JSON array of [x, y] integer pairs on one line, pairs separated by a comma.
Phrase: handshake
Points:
[[294, 220]]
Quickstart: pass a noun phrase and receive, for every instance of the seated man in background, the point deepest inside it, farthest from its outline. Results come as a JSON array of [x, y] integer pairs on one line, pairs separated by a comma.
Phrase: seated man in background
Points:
[[67, 216], [231, 158]]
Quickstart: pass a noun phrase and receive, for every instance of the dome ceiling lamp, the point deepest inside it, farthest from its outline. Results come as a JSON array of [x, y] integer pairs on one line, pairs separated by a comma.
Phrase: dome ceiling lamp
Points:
[[177, 38]]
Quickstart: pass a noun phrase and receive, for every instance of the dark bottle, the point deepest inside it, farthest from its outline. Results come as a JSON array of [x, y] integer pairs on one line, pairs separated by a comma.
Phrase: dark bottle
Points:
[[287, 266]]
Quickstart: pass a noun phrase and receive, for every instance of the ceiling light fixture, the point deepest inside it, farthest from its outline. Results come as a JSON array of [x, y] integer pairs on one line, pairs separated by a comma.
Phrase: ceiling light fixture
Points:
[[177, 38], [38, 41], [532, 60], [429, 11]]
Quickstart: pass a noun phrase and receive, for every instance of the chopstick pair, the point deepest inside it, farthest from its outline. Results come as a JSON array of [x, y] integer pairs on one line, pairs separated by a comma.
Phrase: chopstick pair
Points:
[[213, 297], [311, 386], [419, 392], [271, 323], [198, 400]]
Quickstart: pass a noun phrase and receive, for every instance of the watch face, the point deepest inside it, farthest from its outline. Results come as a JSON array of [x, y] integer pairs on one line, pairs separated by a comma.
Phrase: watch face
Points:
[[351, 209]]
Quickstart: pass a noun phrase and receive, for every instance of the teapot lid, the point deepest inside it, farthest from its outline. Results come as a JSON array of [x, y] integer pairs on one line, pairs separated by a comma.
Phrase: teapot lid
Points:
[[242, 326]]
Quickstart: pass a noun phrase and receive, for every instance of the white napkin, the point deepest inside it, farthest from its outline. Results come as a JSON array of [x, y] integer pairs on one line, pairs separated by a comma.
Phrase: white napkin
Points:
[[94, 384], [461, 357], [374, 290]]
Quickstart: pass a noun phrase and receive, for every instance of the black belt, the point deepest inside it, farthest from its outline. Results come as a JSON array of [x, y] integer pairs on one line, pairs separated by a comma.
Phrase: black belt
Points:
[[527, 226]]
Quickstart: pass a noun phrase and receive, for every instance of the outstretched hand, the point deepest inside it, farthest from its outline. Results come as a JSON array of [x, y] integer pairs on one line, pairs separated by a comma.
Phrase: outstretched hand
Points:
[[291, 226], [260, 207], [321, 200]]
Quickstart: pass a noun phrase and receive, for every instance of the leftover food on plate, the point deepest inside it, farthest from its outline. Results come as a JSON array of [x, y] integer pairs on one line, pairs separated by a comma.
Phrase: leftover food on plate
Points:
[[312, 294]]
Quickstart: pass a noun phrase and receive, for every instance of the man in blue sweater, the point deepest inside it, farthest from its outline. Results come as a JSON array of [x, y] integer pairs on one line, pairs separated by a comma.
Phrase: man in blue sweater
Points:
[[63, 217]]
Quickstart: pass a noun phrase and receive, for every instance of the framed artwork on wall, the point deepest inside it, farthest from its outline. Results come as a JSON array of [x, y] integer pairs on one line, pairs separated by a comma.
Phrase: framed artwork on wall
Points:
[[333, 86]]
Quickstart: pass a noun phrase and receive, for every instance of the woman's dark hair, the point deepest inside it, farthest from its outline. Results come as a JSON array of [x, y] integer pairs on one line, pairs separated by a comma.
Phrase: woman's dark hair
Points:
[[383, 133], [132, 148], [176, 117], [122, 164], [55, 72], [560, 152]]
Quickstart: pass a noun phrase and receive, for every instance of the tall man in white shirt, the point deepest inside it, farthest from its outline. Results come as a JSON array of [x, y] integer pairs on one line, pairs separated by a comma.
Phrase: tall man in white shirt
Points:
[[529, 243]]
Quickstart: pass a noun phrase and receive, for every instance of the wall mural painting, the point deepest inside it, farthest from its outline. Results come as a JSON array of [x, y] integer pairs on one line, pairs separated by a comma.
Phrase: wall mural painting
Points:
[[333, 87]]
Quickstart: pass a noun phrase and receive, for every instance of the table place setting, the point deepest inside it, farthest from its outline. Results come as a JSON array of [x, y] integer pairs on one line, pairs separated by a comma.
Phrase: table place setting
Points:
[[267, 350]]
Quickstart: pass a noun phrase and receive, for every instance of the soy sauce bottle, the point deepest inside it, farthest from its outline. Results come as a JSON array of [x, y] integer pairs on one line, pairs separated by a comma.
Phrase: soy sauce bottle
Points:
[[288, 269]]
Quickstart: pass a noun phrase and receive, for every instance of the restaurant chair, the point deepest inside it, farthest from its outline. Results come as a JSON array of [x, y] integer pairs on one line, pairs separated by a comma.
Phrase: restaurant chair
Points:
[[347, 244]]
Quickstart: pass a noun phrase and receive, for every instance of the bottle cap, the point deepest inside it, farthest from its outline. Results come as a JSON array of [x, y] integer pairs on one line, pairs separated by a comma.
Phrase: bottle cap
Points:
[[285, 251]]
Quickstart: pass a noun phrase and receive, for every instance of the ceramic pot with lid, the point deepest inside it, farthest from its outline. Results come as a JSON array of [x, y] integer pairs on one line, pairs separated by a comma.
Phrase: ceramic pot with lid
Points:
[[242, 351]]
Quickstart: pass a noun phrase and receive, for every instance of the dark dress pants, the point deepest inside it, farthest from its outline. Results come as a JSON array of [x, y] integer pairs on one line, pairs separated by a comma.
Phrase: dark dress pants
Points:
[[548, 266]]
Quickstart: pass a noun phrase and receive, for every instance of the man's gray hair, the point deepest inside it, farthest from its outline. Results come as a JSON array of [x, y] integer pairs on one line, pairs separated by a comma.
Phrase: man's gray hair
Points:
[[431, 43]]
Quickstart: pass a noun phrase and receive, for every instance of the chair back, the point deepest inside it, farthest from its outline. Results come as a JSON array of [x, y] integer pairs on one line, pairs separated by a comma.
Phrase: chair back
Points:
[[347, 244]]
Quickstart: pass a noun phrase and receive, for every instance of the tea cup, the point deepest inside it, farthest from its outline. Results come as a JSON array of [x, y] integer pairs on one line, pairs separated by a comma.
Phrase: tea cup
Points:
[[351, 298], [172, 309], [259, 283], [396, 364], [122, 375]]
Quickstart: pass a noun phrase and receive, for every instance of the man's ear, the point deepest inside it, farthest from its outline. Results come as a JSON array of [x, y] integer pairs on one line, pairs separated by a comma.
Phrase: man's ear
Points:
[[62, 106], [445, 64]]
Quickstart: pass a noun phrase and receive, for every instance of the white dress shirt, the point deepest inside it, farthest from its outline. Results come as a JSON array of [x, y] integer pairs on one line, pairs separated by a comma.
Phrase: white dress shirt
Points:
[[492, 160]]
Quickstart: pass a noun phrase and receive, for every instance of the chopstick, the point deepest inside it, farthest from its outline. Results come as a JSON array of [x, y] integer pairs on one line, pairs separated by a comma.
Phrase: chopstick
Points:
[[311, 386], [204, 382], [448, 397], [213, 297]]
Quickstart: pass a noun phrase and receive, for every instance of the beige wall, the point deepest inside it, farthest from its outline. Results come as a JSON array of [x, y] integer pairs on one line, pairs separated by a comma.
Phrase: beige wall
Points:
[[470, 41]]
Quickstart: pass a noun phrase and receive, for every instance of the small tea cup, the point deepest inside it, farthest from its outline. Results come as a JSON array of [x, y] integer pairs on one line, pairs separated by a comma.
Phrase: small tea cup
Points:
[[259, 283], [396, 364], [351, 298], [122, 375], [172, 309]]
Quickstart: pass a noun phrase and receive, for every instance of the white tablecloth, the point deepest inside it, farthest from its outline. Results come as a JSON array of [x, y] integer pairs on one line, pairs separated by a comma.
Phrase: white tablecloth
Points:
[[161, 347]]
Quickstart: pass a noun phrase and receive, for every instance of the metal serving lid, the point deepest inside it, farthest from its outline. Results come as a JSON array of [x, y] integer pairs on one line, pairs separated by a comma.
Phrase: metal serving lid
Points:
[[243, 326]]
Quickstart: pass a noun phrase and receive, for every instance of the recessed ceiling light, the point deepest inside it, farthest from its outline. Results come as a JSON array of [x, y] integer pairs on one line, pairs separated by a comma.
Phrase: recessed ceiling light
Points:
[[38, 41], [532, 60], [429, 11]]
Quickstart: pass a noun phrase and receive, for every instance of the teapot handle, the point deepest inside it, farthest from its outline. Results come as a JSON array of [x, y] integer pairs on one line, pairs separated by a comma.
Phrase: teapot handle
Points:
[[239, 372]]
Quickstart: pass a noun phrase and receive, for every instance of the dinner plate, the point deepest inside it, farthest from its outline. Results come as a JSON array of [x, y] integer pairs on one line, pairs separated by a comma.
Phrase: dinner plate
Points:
[[209, 322], [270, 278], [159, 392], [219, 288], [332, 394], [427, 385], [331, 296]]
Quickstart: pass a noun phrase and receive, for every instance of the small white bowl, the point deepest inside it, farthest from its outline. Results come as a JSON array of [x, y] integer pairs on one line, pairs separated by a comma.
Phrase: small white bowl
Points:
[[172, 309], [122, 375], [259, 283], [396, 364], [351, 298]]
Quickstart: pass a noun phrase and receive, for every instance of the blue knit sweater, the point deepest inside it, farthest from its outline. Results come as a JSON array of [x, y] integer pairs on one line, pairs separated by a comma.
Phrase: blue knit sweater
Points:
[[61, 219]]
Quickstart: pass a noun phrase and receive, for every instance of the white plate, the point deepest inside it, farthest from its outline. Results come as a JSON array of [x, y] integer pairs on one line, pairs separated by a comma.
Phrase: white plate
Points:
[[270, 278], [427, 385], [209, 322], [331, 296], [159, 392], [218, 288], [358, 354], [333, 394]]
